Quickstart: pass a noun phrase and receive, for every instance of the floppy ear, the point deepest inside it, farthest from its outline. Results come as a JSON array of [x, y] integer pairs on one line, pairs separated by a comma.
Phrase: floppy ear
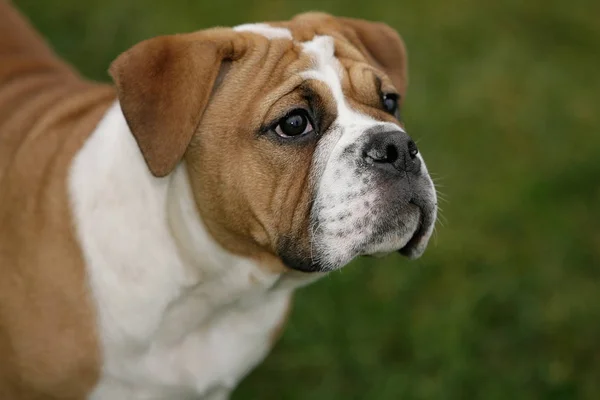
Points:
[[164, 85], [382, 44]]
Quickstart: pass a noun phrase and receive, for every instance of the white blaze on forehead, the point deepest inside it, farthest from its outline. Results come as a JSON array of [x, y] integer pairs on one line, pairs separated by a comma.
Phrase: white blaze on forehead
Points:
[[326, 67], [270, 32]]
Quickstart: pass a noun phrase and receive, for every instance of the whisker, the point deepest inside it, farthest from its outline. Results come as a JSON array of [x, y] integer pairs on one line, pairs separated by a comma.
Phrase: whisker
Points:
[[442, 220]]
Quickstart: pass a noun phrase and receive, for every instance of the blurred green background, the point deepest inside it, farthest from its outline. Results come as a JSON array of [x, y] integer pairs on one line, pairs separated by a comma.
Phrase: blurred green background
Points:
[[504, 99]]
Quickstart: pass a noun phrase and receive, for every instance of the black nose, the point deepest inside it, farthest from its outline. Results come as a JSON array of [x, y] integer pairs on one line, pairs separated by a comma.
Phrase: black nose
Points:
[[392, 151]]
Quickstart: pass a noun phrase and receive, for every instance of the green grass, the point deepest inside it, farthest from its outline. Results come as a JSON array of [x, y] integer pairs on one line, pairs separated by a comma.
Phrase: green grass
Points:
[[504, 100]]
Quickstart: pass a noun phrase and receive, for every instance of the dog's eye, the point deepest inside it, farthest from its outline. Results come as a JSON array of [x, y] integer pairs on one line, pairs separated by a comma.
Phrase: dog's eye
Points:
[[390, 103], [296, 123]]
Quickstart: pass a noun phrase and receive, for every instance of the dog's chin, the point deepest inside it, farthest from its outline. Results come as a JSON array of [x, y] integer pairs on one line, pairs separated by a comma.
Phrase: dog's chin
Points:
[[399, 243], [412, 242], [413, 248]]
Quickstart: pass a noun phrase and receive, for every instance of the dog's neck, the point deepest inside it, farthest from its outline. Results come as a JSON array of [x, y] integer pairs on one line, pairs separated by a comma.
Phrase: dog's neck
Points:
[[201, 253], [145, 234], [197, 247], [167, 296]]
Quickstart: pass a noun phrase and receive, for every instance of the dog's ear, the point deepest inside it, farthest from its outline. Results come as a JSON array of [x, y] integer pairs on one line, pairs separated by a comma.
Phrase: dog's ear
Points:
[[164, 85], [382, 45]]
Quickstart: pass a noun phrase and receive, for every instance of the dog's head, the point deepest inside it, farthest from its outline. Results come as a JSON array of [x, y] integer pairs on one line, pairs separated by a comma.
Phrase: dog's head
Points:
[[291, 134]]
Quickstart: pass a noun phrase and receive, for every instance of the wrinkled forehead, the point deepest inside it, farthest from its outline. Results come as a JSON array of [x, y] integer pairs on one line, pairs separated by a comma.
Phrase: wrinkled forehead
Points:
[[304, 30], [331, 58], [319, 49]]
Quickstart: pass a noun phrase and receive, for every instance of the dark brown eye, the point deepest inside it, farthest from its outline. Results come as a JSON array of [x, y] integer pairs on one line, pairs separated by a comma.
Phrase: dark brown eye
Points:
[[294, 124], [390, 103]]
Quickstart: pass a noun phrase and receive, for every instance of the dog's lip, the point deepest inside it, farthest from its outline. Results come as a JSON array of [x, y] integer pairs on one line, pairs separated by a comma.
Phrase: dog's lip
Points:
[[415, 247]]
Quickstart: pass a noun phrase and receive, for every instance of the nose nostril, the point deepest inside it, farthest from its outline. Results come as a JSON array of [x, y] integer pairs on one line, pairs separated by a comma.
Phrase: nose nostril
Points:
[[391, 153], [412, 149]]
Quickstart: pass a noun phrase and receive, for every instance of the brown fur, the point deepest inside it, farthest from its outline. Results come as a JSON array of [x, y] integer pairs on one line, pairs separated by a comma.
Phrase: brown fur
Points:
[[48, 345], [252, 192], [164, 85]]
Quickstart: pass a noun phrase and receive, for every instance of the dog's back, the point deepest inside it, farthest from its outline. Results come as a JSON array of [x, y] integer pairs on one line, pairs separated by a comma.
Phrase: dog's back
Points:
[[33, 84], [45, 325]]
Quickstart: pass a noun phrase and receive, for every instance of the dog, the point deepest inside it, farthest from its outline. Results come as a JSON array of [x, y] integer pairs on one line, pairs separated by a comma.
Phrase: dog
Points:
[[152, 232]]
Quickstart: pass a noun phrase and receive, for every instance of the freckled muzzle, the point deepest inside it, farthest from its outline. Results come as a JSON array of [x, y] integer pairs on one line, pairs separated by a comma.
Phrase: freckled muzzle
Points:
[[405, 189], [394, 157], [374, 197]]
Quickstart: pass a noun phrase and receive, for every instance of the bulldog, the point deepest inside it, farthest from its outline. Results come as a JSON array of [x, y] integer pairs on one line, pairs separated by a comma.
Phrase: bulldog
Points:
[[152, 232]]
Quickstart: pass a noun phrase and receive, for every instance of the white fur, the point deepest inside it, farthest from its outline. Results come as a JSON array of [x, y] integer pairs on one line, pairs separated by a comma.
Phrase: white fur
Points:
[[178, 316], [335, 176], [265, 30]]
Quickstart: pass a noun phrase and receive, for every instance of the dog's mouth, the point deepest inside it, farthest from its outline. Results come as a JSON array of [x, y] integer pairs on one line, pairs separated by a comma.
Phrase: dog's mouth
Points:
[[412, 248], [416, 245], [404, 229]]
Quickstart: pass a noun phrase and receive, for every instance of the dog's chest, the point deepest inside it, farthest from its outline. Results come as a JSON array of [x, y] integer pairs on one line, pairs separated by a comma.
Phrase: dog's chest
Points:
[[178, 316], [203, 344]]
